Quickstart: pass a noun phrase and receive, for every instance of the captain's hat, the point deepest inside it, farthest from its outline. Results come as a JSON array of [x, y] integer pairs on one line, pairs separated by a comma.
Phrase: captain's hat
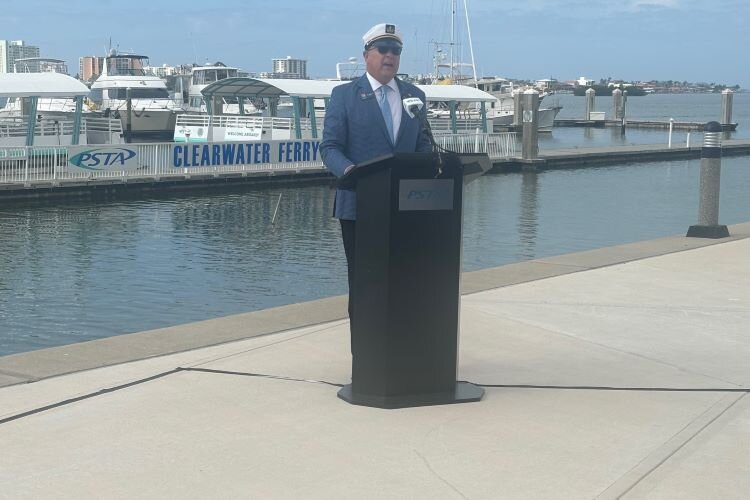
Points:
[[381, 31]]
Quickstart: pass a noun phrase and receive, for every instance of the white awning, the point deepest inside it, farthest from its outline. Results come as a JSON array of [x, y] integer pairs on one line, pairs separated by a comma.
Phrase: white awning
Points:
[[266, 87], [458, 93], [263, 87], [40, 85]]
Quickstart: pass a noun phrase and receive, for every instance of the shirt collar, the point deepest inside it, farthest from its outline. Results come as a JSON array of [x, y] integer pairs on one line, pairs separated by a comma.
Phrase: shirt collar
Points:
[[376, 84]]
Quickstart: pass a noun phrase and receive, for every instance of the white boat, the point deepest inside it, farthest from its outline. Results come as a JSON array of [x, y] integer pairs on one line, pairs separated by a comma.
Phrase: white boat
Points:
[[189, 89], [152, 111]]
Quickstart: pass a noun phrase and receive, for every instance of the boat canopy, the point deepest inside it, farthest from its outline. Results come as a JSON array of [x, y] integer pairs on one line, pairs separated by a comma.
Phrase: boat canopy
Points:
[[269, 87], [458, 93], [261, 87], [41, 85]]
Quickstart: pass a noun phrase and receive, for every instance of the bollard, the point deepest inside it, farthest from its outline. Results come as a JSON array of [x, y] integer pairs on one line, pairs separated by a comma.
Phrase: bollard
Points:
[[708, 212], [624, 109], [618, 104], [590, 101], [727, 96], [530, 146], [517, 109], [671, 126]]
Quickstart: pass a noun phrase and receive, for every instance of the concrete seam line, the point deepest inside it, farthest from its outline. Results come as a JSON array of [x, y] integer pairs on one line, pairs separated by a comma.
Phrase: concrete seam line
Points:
[[305, 334], [626, 483]]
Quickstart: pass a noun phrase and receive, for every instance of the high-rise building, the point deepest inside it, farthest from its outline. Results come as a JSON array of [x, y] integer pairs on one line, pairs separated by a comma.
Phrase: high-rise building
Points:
[[90, 67], [10, 51], [289, 68]]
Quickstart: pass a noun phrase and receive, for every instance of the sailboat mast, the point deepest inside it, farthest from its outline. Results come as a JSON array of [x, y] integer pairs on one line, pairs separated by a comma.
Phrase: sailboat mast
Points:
[[471, 45], [453, 38]]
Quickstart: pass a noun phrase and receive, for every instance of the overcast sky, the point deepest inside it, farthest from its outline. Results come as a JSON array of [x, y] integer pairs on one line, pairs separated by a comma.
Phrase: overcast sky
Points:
[[694, 40]]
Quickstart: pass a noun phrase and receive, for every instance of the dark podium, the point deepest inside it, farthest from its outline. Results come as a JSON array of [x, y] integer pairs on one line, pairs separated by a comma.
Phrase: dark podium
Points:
[[405, 295]]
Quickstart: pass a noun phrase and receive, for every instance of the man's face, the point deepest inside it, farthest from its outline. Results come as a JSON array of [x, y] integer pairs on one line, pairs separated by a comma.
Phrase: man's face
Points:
[[382, 59]]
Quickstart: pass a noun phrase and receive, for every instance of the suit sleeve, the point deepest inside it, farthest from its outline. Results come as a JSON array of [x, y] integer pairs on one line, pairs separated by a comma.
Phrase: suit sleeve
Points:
[[335, 134], [424, 145]]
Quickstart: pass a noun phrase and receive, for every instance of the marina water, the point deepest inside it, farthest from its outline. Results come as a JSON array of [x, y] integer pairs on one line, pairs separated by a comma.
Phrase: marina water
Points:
[[81, 271]]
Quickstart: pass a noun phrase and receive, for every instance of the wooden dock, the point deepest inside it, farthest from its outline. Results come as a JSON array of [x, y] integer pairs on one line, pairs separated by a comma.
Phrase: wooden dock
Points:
[[658, 125]]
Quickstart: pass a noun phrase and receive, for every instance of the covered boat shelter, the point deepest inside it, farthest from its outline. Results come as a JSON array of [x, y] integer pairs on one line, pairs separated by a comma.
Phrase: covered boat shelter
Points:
[[304, 92], [34, 86]]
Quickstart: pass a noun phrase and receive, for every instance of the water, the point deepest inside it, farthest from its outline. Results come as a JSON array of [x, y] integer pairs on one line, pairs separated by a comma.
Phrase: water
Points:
[[81, 271]]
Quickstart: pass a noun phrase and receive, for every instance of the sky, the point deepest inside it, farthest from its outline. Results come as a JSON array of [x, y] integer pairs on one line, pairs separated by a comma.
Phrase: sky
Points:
[[693, 40]]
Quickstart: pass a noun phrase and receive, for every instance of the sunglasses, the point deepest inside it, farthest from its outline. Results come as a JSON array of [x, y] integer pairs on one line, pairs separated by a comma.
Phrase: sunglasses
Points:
[[385, 47]]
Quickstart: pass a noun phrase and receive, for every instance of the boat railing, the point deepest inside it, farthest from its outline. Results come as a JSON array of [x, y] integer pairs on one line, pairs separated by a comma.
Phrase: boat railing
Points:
[[499, 146], [51, 130], [240, 121], [34, 164]]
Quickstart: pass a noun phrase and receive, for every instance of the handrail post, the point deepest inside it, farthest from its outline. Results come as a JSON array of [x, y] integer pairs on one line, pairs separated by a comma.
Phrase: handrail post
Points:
[[311, 111], [297, 121], [31, 130]]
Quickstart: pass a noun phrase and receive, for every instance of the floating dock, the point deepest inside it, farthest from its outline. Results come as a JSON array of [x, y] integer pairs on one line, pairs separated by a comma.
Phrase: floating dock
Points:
[[659, 125]]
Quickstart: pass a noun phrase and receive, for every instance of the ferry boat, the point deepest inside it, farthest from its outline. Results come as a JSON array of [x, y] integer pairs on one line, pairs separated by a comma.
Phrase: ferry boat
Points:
[[189, 89], [153, 111]]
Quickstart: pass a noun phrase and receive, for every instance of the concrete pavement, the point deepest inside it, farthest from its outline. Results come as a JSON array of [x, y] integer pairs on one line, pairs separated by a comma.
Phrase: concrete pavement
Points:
[[619, 373]]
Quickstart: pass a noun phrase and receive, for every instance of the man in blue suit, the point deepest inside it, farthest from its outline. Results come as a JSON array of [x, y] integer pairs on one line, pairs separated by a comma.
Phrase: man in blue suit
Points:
[[365, 119]]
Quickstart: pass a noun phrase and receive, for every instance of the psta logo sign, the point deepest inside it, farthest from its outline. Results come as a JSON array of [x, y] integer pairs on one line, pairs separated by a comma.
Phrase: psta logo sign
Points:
[[102, 158]]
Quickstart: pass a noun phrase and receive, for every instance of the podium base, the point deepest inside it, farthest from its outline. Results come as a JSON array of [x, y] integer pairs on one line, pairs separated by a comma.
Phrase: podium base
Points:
[[465, 393]]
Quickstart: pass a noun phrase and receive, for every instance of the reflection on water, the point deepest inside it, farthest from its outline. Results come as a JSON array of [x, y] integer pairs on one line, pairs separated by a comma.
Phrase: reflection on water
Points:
[[528, 218], [82, 271]]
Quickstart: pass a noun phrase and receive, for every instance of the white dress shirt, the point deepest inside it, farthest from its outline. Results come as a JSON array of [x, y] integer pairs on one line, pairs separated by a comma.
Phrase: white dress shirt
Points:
[[394, 100]]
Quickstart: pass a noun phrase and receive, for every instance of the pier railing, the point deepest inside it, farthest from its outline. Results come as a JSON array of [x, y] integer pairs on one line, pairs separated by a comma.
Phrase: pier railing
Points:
[[50, 164]]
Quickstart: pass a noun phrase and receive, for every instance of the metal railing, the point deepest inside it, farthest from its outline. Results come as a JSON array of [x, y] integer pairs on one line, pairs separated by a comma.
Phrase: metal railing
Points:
[[35, 164], [58, 131], [500, 146]]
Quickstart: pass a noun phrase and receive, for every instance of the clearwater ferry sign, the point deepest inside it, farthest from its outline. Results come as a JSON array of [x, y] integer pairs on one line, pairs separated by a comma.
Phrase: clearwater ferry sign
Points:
[[225, 154], [129, 157]]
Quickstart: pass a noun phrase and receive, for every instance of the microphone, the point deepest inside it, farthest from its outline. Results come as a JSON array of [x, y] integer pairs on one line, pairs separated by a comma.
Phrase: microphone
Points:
[[413, 106]]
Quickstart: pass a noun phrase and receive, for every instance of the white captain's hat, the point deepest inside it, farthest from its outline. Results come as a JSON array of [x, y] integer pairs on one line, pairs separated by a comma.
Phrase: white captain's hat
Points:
[[382, 31]]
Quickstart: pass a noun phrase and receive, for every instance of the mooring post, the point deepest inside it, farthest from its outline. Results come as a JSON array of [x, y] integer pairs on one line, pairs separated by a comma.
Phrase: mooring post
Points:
[[708, 212], [530, 147], [517, 110], [727, 96], [590, 102], [671, 126]]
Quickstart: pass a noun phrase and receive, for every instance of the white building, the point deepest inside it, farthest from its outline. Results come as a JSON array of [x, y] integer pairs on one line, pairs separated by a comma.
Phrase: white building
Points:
[[289, 68], [584, 82], [10, 51]]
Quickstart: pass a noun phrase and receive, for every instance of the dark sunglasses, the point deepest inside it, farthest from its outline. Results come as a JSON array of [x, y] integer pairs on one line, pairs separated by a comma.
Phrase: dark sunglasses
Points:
[[385, 47]]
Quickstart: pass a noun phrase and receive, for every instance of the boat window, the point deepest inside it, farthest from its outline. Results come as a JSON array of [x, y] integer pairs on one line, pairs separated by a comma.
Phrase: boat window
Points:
[[196, 102], [96, 95], [137, 93]]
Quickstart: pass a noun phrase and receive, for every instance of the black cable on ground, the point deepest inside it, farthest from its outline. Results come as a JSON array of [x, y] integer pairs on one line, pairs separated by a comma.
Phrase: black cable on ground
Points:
[[86, 396], [611, 388]]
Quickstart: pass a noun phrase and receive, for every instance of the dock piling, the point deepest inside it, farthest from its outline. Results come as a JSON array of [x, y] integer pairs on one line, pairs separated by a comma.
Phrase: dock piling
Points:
[[671, 127], [530, 146], [710, 181], [590, 102], [727, 96], [517, 109]]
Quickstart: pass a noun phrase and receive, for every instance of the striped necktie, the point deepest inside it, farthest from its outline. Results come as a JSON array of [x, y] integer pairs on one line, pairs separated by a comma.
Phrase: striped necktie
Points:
[[385, 108]]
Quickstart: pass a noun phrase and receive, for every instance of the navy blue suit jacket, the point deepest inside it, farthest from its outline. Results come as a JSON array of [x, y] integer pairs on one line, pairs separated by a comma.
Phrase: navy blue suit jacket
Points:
[[355, 132]]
